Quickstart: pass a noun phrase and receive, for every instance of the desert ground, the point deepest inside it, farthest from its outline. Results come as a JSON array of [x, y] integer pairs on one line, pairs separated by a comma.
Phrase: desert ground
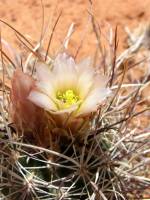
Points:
[[26, 17]]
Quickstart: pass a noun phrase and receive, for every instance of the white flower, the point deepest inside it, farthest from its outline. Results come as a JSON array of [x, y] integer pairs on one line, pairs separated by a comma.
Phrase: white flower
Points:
[[69, 88]]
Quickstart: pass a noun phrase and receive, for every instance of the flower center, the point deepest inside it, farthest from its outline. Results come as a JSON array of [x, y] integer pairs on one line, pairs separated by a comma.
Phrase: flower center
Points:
[[68, 97]]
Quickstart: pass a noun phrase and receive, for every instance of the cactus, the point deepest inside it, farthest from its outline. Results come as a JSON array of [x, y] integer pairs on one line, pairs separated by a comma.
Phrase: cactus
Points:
[[105, 154]]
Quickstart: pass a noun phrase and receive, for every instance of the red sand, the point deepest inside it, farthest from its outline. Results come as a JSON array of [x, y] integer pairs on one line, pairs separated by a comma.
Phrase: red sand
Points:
[[26, 16]]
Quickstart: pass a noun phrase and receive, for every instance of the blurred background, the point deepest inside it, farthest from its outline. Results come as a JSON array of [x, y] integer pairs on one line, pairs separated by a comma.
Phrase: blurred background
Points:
[[27, 16]]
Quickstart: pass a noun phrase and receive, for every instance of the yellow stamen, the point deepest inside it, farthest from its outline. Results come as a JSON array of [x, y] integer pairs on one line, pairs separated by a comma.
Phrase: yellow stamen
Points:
[[68, 97]]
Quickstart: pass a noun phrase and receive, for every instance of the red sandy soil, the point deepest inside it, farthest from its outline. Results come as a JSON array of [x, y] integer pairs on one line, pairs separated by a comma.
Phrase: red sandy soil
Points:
[[26, 16]]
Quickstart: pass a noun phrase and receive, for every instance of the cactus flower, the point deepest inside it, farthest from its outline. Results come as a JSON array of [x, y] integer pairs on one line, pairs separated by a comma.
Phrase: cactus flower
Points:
[[68, 89]]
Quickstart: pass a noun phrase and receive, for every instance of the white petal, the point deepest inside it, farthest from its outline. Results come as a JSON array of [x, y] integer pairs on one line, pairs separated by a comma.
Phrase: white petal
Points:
[[63, 62], [85, 77], [84, 85], [43, 72], [46, 88], [65, 71], [69, 110], [88, 80], [85, 82], [42, 100], [93, 101]]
